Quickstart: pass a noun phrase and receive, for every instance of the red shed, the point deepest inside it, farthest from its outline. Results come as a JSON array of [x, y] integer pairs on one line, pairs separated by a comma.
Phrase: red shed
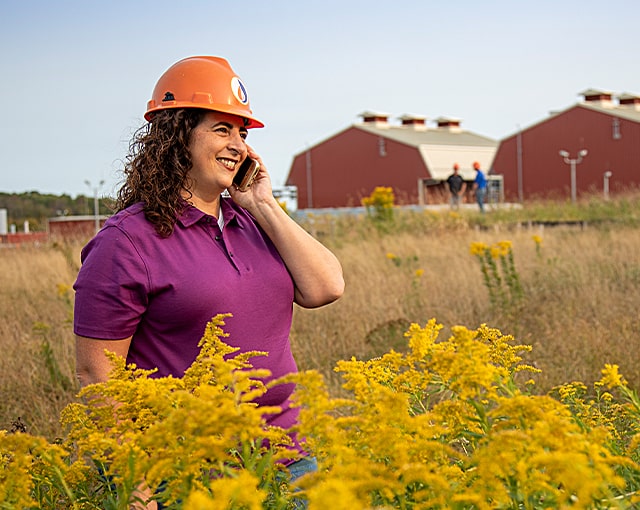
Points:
[[532, 165], [341, 170], [70, 228]]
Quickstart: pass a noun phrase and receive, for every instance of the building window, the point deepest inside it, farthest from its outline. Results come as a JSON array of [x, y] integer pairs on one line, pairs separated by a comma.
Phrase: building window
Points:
[[615, 125], [382, 147]]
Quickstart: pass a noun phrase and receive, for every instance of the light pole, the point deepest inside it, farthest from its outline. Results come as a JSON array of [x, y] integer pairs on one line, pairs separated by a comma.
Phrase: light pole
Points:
[[573, 162], [605, 187], [96, 205], [309, 179]]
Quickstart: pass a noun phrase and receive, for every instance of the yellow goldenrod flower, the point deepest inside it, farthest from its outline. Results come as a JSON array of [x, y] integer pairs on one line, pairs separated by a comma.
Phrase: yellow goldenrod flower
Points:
[[478, 248], [443, 425], [611, 378], [63, 289], [504, 247], [381, 197], [607, 397]]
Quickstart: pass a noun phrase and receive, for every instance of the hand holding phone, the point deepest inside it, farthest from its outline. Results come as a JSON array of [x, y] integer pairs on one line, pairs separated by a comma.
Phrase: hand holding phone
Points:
[[246, 174]]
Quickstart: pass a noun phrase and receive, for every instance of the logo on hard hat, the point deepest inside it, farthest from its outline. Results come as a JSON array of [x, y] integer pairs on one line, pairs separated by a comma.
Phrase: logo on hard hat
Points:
[[237, 87]]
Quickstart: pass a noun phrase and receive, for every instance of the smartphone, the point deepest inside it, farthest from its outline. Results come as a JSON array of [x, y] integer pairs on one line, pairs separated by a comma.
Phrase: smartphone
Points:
[[246, 174]]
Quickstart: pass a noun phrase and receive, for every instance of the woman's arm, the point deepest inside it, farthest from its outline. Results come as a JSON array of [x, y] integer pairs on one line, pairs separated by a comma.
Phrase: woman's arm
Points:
[[316, 272], [92, 365]]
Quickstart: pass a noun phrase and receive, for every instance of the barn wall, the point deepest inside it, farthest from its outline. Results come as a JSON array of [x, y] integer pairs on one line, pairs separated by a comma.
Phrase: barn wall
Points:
[[545, 174], [348, 166]]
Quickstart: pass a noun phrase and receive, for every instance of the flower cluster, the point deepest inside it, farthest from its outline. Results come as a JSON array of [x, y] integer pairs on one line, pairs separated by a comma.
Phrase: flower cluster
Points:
[[443, 426], [380, 203], [499, 274], [180, 436]]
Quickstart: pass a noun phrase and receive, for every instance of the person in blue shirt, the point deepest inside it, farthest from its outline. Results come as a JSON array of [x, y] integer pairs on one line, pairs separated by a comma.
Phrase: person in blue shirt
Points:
[[480, 186]]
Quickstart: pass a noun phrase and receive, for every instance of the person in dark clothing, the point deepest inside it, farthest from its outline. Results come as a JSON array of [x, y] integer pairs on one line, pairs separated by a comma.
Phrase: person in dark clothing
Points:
[[457, 187]]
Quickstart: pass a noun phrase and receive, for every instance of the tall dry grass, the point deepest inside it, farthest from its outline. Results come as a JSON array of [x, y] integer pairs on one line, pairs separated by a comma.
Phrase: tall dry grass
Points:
[[36, 341], [581, 295]]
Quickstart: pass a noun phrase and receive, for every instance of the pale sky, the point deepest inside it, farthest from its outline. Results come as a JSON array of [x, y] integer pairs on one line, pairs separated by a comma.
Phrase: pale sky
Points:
[[76, 74]]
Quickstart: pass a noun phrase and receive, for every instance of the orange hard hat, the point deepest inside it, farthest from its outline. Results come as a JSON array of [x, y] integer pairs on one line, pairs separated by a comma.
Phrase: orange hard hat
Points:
[[455, 166], [476, 165], [202, 82]]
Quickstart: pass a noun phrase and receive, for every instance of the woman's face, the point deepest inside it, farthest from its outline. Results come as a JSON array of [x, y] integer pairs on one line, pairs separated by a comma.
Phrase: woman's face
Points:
[[217, 147]]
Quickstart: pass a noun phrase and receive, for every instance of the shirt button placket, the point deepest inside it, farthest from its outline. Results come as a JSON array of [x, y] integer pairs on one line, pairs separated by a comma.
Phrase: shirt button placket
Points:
[[220, 239]]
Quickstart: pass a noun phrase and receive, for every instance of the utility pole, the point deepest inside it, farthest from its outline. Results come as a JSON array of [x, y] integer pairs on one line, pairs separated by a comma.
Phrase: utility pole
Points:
[[96, 203]]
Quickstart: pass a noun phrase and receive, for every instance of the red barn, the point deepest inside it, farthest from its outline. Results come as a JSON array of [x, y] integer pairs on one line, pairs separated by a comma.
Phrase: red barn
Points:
[[79, 228], [412, 158], [532, 165]]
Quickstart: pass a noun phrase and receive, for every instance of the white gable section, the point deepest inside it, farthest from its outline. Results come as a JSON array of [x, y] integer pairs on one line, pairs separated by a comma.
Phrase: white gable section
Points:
[[440, 159]]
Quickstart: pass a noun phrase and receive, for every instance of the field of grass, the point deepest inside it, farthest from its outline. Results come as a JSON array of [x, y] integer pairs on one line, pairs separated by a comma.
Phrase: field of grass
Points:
[[580, 284]]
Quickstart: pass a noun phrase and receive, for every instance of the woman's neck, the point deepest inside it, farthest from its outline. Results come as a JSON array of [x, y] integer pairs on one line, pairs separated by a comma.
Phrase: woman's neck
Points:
[[208, 205]]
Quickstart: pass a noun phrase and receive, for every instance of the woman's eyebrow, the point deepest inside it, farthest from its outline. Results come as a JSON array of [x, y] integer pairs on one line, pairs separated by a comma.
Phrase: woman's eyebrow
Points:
[[229, 125]]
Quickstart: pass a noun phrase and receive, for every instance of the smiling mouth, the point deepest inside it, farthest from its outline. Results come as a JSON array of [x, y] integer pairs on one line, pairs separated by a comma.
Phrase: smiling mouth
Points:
[[229, 163]]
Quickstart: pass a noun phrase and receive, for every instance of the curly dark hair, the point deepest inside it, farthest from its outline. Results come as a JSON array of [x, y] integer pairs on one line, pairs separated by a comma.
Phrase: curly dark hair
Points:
[[157, 166]]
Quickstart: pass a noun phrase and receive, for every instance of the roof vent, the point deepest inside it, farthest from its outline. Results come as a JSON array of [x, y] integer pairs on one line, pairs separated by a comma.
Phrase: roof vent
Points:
[[417, 122], [629, 101], [598, 97], [377, 118], [448, 123]]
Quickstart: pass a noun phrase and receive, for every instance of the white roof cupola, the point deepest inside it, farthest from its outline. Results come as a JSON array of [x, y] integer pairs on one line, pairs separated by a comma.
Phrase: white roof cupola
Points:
[[631, 101], [598, 97], [417, 122], [378, 118], [448, 123]]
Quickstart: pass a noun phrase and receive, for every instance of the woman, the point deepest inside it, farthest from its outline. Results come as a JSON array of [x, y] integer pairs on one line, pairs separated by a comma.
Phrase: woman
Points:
[[178, 252]]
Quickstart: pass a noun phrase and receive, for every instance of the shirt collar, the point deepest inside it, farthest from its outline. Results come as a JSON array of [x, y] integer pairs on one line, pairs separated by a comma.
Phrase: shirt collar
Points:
[[191, 215]]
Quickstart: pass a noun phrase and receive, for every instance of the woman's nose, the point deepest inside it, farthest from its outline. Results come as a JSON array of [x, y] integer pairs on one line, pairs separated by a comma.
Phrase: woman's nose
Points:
[[237, 143]]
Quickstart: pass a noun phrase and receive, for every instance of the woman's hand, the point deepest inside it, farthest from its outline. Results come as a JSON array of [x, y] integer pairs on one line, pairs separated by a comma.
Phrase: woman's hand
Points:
[[138, 498], [260, 190]]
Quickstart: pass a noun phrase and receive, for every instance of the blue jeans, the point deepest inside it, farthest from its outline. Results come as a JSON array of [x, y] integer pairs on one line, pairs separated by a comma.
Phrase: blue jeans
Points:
[[481, 193], [302, 467], [296, 470]]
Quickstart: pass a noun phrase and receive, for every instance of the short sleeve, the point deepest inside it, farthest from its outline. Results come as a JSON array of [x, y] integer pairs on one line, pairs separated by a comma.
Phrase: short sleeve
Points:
[[111, 291]]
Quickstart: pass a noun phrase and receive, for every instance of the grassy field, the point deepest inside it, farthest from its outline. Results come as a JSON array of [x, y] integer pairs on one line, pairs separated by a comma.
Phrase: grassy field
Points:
[[580, 284]]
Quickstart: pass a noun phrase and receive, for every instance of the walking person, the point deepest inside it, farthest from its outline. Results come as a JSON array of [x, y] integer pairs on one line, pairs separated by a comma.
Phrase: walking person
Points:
[[480, 186], [457, 187], [179, 250]]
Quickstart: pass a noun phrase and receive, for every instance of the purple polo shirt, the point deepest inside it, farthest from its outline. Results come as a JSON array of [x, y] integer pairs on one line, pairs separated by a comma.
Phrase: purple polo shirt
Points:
[[163, 291]]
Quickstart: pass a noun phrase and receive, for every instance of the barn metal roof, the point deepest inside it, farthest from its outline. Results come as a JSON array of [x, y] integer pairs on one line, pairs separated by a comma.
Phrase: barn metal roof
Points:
[[624, 112], [428, 136], [440, 147], [628, 112]]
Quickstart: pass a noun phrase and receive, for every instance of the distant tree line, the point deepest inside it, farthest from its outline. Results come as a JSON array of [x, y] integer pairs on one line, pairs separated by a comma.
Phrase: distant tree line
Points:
[[36, 207]]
